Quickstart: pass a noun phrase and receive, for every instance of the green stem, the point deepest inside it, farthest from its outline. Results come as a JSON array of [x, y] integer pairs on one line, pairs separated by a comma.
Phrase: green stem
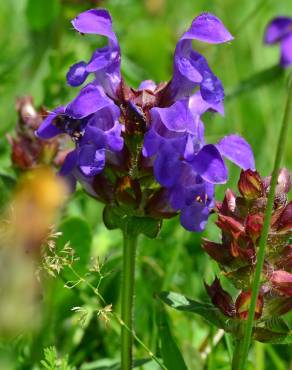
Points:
[[236, 355], [128, 284], [260, 356], [210, 358], [228, 342], [261, 250]]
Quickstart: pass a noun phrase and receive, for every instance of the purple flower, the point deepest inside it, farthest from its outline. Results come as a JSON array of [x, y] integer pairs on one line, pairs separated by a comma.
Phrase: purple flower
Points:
[[92, 121], [187, 166], [150, 135], [279, 30], [191, 68], [105, 62]]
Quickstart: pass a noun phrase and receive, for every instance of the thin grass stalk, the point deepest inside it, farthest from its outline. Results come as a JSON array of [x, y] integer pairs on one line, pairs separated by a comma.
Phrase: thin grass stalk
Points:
[[245, 344], [114, 314]]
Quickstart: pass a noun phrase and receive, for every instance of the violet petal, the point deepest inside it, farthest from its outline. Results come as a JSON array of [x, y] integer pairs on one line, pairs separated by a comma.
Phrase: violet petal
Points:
[[237, 150]]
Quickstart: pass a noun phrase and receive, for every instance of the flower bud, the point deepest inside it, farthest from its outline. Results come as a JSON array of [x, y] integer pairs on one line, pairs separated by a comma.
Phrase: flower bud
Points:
[[285, 259], [243, 302], [28, 151], [241, 219], [27, 113], [284, 222], [250, 184], [229, 203], [254, 224], [284, 181], [221, 298], [219, 252], [230, 225], [282, 281]]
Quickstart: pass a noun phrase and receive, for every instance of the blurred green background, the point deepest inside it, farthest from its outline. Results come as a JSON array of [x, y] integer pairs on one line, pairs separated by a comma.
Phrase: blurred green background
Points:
[[37, 46]]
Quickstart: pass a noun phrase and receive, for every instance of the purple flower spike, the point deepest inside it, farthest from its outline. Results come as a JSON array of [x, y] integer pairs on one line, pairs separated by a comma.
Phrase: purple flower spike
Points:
[[105, 62], [279, 30], [184, 164], [144, 149], [190, 68]]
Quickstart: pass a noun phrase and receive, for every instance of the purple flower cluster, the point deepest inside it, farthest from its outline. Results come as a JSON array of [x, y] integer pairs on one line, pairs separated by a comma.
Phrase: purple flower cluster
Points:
[[279, 30], [105, 116]]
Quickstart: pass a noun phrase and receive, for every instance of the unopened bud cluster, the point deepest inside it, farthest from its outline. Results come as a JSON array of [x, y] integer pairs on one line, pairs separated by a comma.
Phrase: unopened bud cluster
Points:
[[240, 218], [27, 150]]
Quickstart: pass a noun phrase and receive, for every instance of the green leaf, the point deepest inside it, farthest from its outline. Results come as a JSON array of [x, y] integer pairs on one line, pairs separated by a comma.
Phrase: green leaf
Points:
[[275, 330], [210, 313], [276, 306], [51, 361], [146, 225], [277, 324], [171, 355], [41, 13], [268, 336], [116, 218], [77, 232]]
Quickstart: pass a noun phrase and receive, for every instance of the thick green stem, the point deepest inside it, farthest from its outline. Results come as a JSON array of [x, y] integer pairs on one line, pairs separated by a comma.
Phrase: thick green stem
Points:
[[243, 353], [128, 288], [236, 355]]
